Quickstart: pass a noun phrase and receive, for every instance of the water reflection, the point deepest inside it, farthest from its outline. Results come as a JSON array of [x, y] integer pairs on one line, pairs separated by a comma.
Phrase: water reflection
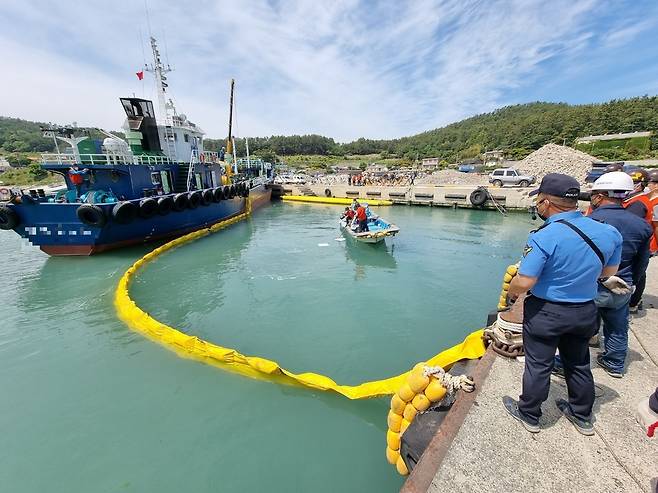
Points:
[[379, 256]]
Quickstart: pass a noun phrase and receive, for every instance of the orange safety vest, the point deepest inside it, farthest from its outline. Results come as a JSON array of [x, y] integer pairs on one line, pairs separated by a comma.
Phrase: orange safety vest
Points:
[[76, 178]]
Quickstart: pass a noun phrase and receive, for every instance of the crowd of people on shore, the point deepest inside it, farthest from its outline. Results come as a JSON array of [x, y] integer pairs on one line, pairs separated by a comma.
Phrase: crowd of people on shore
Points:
[[583, 274], [389, 179]]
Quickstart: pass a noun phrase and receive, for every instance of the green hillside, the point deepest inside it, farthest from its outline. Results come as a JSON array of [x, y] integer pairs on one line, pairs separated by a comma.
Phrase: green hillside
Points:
[[518, 130]]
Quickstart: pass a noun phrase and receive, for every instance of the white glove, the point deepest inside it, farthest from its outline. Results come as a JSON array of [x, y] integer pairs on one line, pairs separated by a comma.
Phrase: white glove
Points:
[[617, 285]]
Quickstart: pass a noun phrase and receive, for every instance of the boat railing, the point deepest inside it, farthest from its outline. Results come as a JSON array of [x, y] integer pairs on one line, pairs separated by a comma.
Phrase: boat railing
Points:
[[208, 157], [102, 159]]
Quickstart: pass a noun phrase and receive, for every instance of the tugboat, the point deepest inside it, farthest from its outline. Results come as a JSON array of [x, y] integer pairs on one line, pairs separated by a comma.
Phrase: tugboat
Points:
[[156, 184]]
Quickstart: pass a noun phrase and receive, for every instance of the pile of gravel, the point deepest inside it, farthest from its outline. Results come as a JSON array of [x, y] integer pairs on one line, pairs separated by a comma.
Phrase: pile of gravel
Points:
[[553, 158], [453, 177]]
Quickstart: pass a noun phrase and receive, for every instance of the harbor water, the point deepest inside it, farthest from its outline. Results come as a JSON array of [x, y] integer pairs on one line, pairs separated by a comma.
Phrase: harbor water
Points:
[[89, 405]]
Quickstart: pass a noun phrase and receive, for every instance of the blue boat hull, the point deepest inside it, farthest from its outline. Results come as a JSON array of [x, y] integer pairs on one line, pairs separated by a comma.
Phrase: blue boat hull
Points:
[[56, 229]]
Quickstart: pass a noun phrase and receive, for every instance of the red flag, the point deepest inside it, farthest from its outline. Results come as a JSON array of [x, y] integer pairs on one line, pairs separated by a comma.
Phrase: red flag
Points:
[[140, 74]]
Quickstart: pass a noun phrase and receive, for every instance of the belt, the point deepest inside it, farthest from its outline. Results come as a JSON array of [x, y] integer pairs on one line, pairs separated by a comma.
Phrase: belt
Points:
[[566, 303]]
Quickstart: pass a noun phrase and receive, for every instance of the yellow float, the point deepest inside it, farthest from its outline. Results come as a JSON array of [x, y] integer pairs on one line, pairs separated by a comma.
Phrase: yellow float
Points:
[[333, 200], [424, 386]]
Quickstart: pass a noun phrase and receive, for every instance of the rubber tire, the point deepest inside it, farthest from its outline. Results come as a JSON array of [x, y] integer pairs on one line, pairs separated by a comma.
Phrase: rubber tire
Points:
[[8, 218], [497, 183], [148, 208], [165, 205], [124, 212], [227, 192], [478, 197], [91, 215], [207, 197], [180, 202], [218, 194], [194, 199], [524, 184], [327, 192], [245, 194]]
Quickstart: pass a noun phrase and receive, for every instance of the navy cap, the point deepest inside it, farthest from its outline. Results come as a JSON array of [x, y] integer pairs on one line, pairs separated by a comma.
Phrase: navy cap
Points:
[[558, 185]]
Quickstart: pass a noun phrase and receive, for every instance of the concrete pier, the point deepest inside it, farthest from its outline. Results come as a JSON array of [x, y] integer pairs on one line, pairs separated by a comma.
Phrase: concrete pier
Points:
[[491, 451], [429, 195]]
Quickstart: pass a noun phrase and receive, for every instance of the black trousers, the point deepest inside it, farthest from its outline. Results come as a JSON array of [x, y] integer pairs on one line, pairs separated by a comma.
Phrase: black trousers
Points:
[[548, 326]]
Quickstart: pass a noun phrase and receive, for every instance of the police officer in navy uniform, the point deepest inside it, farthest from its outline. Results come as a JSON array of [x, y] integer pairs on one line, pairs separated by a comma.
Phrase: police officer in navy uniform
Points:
[[561, 265]]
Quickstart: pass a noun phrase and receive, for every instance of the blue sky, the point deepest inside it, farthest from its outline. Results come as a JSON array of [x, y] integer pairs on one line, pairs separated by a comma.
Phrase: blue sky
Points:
[[345, 68]]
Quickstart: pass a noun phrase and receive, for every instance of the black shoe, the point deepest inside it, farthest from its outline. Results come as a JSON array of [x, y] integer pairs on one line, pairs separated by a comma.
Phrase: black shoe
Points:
[[512, 408], [558, 371], [601, 362], [584, 427]]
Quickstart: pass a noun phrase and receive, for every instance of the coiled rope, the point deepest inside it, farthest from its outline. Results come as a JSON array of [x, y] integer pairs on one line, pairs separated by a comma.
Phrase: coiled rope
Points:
[[254, 366]]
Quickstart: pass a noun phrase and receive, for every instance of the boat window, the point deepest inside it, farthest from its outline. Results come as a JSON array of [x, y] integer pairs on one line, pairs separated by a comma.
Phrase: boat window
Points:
[[186, 137], [155, 178]]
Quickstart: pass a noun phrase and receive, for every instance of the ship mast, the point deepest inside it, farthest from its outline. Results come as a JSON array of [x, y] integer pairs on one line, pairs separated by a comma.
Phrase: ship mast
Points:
[[167, 110], [229, 141]]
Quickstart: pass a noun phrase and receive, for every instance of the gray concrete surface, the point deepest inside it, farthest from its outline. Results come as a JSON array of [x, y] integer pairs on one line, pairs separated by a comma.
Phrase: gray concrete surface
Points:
[[492, 452], [441, 196]]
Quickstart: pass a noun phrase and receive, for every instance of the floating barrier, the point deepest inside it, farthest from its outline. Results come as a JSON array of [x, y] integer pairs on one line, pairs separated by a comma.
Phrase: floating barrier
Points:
[[254, 366], [333, 200], [424, 386]]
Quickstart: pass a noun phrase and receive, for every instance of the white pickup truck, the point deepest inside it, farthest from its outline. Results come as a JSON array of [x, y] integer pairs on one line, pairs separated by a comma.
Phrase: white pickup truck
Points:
[[510, 176]]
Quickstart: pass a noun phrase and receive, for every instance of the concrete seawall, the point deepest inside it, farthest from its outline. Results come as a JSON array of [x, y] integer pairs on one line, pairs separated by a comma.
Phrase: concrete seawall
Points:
[[435, 196], [483, 449]]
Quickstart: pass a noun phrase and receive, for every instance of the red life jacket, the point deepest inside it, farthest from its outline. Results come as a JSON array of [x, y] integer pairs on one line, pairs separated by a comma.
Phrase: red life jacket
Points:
[[361, 214], [76, 178]]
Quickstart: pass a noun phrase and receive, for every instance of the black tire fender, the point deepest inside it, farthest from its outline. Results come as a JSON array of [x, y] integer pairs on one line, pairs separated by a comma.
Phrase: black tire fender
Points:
[[327, 192], [8, 218], [148, 207], [91, 215], [180, 202], [165, 205], [227, 192], [218, 194], [207, 196], [479, 196], [194, 199], [124, 212]]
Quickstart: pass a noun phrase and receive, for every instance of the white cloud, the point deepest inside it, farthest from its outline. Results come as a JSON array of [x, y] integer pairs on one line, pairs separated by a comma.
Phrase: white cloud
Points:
[[344, 69]]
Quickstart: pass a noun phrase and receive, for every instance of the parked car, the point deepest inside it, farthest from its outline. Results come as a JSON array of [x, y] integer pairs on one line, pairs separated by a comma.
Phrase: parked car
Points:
[[509, 176], [599, 168]]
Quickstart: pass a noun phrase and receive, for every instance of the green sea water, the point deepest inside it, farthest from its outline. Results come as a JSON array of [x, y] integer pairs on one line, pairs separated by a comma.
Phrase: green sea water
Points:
[[88, 405]]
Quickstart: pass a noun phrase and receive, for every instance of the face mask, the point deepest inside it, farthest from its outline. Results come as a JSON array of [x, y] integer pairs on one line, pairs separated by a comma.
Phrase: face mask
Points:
[[541, 216]]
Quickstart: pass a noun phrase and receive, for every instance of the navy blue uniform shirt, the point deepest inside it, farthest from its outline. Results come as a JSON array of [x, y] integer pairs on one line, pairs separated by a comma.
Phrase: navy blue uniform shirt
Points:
[[566, 267], [636, 235]]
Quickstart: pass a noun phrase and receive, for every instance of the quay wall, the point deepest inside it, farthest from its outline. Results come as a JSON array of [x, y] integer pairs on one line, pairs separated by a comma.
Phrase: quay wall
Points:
[[438, 196]]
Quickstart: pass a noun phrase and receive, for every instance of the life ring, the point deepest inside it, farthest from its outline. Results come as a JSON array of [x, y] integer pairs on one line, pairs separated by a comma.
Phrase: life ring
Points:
[[194, 199], [180, 202], [207, 196], [327, 192], [91, 215], [124, 212], [165, 205], [148, 207], [479, 196], [8, 218], [218, 194]]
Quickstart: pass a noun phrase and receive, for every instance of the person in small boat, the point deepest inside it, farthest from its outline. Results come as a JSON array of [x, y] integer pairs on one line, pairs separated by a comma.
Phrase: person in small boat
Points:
[[355, 205], [362, 217], [348, 215]]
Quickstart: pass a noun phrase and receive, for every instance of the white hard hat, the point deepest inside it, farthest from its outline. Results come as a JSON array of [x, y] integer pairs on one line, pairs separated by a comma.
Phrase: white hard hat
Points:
[[616, 183]]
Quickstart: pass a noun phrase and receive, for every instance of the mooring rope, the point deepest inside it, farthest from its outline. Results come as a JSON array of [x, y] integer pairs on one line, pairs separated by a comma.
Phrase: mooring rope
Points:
[[253, 366]]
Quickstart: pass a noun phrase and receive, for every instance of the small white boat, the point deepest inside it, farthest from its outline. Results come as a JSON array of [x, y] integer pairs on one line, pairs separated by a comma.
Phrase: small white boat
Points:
[[378, 230]]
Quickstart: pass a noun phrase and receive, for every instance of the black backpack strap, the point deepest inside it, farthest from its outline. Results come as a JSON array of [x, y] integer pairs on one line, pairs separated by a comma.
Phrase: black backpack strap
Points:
[[586, 239]]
